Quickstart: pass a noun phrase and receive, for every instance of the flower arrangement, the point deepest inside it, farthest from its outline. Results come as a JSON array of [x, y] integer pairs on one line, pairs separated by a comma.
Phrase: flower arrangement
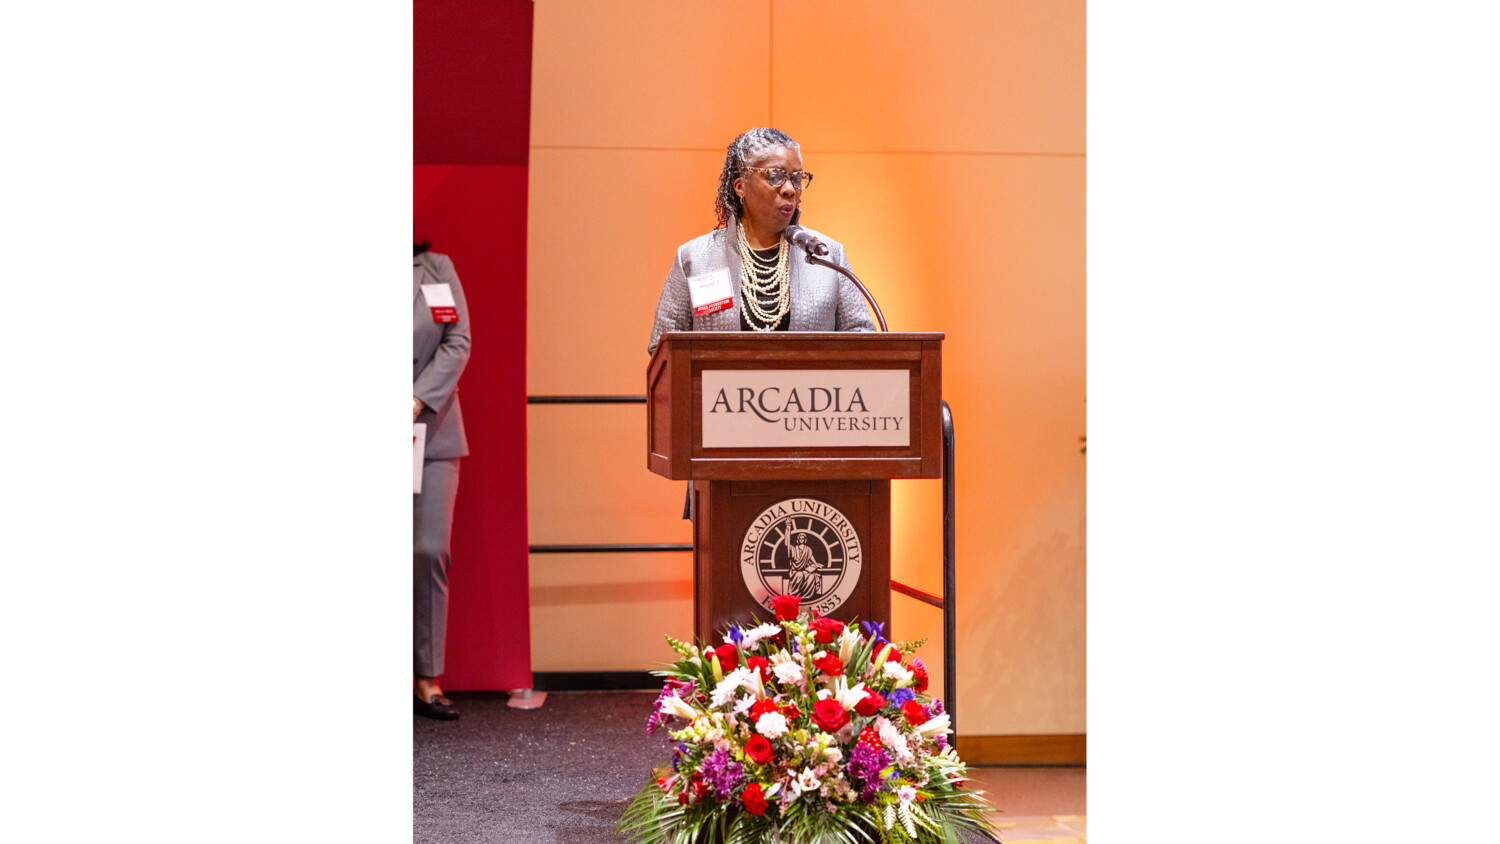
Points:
[[803, 730]]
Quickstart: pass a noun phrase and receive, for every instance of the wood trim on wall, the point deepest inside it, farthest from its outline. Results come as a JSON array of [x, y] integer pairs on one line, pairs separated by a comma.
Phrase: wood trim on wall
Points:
[[1059, 749]]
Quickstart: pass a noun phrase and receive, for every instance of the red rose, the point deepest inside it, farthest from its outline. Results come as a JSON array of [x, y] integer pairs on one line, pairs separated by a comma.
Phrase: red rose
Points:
[[825, 630], [760, 664], [829, 715], [728, 655], [915, 714], [786, 607], [759, 749], [790, 711], [761, 707], [871, 704], [755, 799], [830, 665]]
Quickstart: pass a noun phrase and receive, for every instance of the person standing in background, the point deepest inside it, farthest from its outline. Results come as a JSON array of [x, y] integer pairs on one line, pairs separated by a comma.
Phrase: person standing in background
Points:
[[440, 349]]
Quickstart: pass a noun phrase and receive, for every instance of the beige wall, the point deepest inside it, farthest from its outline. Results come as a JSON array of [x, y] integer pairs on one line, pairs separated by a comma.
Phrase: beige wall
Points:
[[948, 143]]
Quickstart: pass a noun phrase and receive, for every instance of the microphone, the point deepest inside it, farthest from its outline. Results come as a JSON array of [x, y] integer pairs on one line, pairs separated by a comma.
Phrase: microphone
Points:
[[804, 239]]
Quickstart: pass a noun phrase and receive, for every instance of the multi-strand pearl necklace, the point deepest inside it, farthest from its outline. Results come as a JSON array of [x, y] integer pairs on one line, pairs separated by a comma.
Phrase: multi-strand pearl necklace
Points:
[[769, 279]]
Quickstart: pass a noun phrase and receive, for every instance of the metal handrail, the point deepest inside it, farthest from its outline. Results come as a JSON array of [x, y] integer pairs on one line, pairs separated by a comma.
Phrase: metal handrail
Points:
[[585, 399], [950, 581], [611, 548]]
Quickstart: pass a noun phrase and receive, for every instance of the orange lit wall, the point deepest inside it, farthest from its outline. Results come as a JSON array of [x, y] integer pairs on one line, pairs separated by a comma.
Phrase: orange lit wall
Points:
[[948, 143]]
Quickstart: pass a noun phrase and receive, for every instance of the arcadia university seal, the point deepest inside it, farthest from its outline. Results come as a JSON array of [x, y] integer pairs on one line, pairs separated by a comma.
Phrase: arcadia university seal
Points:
[[802, 547]]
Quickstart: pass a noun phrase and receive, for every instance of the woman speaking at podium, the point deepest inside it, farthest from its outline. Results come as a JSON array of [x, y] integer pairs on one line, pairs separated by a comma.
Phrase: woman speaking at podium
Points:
[[742, 276]]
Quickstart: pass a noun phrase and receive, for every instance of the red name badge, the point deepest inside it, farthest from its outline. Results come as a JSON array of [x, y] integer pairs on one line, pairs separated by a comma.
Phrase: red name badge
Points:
[[440, 301]]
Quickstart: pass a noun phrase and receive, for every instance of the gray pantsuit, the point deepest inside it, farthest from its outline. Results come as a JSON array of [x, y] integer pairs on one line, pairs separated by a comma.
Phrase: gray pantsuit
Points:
[[432, 528], [439, 353]]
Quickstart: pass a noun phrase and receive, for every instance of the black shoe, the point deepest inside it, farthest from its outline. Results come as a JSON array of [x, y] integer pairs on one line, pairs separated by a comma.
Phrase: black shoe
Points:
[[438, 707]]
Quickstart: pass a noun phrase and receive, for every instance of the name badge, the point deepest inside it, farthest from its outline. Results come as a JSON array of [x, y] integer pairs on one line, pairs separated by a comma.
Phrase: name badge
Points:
[[710, 292], [440, 299]]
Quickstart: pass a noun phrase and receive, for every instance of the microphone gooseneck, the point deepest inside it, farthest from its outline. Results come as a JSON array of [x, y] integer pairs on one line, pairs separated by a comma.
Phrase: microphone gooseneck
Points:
[[815, 250]]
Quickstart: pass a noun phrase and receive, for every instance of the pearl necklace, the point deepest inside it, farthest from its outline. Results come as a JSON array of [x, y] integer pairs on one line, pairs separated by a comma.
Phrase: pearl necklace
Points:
[[770, 279]]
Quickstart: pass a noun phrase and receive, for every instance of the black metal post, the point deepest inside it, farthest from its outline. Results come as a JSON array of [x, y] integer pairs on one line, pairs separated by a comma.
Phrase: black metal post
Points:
[[950, 586]]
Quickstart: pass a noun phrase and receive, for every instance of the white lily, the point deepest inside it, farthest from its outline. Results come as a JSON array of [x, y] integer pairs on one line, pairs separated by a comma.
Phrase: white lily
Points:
[[754, 683], [844, 694], [934, 725], [675, 705], [847, 640], [807, 780]]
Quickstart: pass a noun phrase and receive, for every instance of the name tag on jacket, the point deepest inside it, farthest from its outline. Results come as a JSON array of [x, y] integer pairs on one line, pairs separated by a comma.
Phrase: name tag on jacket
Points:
[[439, 298], [710, 292]]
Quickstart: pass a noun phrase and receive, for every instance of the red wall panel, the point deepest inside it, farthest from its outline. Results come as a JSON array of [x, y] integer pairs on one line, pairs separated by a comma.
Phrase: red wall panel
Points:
[[471, 91], [471, 82]]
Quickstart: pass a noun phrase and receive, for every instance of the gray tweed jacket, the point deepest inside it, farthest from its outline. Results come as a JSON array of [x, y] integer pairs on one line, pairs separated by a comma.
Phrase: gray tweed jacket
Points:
[[822, 300], [439, 351]]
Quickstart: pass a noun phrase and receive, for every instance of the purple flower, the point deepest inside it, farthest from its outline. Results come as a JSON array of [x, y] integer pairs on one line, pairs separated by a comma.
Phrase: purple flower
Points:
[[866, 764], [722, 775], [900, 696], [673, 685], [735, 635]]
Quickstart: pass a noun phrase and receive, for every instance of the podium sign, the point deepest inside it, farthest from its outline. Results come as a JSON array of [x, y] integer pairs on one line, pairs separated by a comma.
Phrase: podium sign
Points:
[[784, 408], [790, 440]]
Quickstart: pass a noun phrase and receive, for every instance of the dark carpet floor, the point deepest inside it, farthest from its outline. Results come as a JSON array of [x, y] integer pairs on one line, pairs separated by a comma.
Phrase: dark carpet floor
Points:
[[561, 774]]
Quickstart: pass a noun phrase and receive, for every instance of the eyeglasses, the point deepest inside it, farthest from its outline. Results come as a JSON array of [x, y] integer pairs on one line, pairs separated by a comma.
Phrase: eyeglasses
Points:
[[776, 177]]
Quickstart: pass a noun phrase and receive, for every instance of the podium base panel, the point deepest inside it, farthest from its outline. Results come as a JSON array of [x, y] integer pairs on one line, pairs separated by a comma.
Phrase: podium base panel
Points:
[[827, 541]]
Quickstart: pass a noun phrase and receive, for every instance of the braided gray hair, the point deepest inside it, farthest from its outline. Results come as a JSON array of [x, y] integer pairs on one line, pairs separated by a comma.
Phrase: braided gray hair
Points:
[[740, 151]]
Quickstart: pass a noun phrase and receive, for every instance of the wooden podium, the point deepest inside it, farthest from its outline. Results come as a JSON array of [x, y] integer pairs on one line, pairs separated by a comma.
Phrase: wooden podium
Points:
[[790, 440]]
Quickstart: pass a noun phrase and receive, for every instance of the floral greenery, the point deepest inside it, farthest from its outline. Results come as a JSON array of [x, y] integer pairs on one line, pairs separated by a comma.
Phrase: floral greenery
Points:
[[803, 730]]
